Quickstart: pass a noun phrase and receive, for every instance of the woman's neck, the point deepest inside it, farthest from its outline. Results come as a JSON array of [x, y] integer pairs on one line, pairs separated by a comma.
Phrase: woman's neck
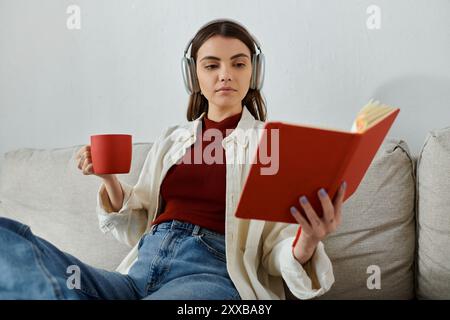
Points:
[[217, 115]]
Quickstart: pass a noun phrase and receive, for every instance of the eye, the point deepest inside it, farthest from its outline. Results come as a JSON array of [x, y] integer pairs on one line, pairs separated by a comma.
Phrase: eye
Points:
[[211, 66], [240, 65]]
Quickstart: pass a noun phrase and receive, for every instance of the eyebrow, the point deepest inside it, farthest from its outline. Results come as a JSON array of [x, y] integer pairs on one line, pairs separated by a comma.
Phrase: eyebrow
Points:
[[233, 57]]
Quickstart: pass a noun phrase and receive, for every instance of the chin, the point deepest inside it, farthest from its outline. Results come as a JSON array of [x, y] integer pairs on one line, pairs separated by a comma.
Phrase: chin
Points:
[[225, 105]]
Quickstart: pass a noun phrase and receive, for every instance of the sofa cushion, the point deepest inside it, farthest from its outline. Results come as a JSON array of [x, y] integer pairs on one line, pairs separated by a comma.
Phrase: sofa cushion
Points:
[[45, 190], [377, 234], [433, 203]]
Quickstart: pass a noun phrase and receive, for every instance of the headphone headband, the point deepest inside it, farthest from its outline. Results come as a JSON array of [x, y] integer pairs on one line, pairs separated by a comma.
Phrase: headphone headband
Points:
[[255, 41]]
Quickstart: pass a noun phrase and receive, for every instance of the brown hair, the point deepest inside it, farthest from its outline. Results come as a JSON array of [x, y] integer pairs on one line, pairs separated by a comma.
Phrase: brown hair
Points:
[[253, 99]]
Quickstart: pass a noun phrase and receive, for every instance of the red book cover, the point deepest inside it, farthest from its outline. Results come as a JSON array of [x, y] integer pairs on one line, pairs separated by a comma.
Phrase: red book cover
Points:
[[309, 158]]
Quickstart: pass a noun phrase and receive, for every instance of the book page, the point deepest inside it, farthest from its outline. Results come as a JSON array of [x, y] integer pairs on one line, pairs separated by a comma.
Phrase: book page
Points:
[[371, 113]]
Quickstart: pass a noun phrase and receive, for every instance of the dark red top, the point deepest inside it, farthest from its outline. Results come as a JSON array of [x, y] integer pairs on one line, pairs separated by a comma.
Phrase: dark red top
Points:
[[195, 192]]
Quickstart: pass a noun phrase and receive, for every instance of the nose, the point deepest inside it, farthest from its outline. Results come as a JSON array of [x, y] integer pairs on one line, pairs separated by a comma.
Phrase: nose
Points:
[[225, 74]]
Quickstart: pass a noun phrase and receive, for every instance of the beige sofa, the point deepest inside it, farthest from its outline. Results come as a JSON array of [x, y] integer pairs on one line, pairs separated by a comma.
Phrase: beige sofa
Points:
[[394, 241]]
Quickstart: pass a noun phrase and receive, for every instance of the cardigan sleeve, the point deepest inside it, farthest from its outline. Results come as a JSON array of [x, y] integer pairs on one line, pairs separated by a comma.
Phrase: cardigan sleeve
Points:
[[129, 223], [306, 281]]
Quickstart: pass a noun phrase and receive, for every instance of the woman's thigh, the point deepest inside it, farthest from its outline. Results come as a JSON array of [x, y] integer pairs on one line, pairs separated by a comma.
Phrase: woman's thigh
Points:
[[188, 262], [33, 268], [196, 287]]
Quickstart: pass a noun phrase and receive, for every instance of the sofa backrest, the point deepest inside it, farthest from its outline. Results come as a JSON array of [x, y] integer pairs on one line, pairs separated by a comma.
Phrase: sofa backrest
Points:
[[433, 203], [45, 190]]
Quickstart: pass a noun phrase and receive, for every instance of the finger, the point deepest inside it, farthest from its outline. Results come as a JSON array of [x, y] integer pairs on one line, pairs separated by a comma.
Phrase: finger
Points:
[[339, 201], [80, 163], [339, 198], [301, 220], [314, 220], [86, 162], [83, 162], [87, 169], [327, 205], [81, 151], [87, 154]]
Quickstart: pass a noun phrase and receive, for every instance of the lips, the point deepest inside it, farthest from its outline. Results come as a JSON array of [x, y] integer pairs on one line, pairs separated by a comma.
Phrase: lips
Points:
[[226, 89]]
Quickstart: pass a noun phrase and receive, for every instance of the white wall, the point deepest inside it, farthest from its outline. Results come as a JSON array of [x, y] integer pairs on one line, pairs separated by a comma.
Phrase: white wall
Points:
[[121, 71]]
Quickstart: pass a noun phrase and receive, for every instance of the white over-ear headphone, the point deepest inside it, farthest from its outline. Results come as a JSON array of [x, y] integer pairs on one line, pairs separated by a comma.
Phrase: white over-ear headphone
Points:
[[190, 75]]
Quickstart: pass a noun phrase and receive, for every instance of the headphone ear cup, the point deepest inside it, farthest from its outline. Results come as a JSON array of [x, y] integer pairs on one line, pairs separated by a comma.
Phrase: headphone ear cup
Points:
[[193, 74], [260, 70], [189, 75], [185, 70], [257, 79]]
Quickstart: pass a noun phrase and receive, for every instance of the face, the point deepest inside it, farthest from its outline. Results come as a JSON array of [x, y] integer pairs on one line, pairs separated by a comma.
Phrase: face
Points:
[[224, 62]]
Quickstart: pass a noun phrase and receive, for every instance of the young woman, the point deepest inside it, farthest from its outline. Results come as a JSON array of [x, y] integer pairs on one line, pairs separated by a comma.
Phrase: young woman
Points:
[[178, 218]]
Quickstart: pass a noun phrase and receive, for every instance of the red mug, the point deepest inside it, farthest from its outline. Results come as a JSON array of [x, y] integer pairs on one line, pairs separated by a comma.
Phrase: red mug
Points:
[[111, 153]]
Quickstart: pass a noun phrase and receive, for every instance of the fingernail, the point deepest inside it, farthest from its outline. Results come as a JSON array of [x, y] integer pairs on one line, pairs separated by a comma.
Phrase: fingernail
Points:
[[322, 192], [344, 185], [303, 200], [293, 210]]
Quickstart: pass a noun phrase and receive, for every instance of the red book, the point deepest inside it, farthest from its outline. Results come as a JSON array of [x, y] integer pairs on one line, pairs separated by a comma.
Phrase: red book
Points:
[[310, 158]]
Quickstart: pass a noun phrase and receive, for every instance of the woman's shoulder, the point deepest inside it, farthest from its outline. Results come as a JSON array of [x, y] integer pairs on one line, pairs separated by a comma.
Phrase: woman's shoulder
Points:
[[259, 124]]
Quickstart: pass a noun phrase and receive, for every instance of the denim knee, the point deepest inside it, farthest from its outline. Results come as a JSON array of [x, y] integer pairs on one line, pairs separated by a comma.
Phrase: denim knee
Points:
[[13, 226]]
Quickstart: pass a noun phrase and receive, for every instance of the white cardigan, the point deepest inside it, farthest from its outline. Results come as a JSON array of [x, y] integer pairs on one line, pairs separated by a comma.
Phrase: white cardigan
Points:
[[258, 253]]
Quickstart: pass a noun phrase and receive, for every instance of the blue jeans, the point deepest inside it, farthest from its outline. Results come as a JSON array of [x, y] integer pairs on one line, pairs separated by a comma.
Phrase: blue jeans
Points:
[[177, 260]]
